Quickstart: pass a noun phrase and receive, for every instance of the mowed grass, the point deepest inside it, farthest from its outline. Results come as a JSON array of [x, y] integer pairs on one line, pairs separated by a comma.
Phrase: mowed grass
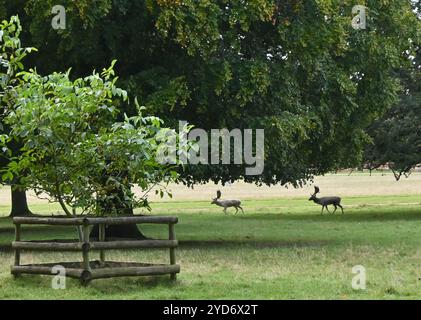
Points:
[[279, 249]]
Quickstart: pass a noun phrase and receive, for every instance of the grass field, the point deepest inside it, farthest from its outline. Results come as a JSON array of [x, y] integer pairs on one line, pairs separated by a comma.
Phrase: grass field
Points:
[[281, 248]]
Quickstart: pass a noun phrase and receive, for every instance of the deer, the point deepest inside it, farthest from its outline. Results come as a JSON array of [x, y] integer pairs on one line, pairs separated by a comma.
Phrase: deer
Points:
[[325, 201], [226, 203]]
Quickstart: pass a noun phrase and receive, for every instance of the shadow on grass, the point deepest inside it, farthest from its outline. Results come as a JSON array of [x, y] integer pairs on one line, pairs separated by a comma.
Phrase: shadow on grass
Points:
[[235, 244], [414, 215], [131, 284], [4, 247], [260, 244], [11, 229]]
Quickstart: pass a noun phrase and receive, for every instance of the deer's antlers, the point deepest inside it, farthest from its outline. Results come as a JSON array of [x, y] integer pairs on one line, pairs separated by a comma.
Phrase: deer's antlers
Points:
[[316, 190], [218, 194]]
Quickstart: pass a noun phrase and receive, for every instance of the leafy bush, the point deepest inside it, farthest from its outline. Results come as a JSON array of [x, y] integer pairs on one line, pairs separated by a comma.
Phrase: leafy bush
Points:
[[74, 150]]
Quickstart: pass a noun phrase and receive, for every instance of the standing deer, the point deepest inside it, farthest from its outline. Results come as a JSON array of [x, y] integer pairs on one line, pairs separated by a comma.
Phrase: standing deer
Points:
[[325, 201], [226, 203]]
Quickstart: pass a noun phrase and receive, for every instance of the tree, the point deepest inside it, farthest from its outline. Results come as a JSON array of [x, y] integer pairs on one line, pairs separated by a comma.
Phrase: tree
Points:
[[396, 136], [76, 153], [295, 68], [11, 58]]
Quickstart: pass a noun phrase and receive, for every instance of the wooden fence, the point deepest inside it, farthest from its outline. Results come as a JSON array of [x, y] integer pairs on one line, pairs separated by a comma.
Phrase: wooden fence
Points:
[[88, 270]]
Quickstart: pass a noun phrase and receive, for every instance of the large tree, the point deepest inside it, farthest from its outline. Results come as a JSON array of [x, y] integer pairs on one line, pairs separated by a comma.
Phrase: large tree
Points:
[[12, 55], [295, 68], [396, 136]]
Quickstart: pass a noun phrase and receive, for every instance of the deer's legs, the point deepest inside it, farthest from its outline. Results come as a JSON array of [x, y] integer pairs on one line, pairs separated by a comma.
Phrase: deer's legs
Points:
[[341, 208], [236, 210], [225, 210], [323, 207], [336, 208], [327, 209], [241, 209]]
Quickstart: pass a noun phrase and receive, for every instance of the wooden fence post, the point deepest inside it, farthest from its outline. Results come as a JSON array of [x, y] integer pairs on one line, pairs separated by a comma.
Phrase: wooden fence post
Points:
[[172, 250], [85, 248], [17, 238], [101, 237]]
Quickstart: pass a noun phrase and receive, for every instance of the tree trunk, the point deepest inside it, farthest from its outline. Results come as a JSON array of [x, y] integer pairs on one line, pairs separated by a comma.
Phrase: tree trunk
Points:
[[116, 205], [19, 203], [119, 231]]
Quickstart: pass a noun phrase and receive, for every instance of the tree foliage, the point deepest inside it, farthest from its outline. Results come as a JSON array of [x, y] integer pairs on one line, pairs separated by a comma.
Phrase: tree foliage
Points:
[[396, 137], [12, 55], [295, 68], [74, 150]]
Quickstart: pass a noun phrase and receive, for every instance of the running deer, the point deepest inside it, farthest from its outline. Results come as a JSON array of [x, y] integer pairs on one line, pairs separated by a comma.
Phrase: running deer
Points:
[[325, 201], [226, 203]]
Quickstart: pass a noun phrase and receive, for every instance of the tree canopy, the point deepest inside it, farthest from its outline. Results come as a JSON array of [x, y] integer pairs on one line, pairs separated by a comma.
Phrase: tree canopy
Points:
[[396, 136], [294, 68], [73, 149], [12, 54]]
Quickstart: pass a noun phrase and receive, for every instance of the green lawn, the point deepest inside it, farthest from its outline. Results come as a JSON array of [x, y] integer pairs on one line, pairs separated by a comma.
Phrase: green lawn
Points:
[[279, 249]]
